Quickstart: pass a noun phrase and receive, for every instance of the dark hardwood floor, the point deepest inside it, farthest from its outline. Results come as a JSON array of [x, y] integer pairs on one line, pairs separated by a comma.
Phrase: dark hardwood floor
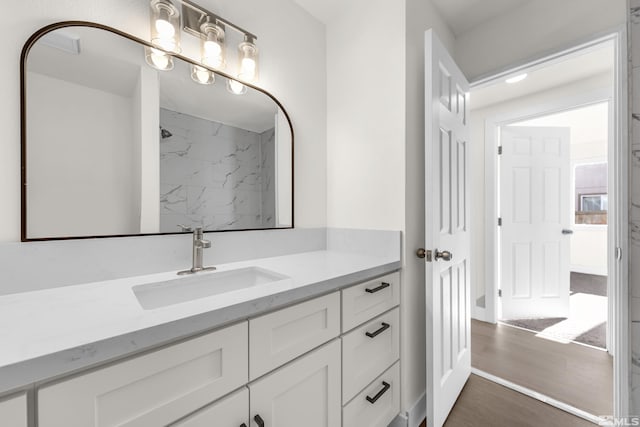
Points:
[[571, 373], [483, 403]]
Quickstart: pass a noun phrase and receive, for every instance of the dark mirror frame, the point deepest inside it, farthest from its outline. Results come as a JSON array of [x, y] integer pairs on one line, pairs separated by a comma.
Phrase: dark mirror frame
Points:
[[23, 129]]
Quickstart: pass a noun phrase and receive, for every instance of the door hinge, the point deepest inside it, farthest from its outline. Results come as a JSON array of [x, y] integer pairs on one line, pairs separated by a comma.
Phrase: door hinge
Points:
[[499, 292], [499, 222], [499, 150]]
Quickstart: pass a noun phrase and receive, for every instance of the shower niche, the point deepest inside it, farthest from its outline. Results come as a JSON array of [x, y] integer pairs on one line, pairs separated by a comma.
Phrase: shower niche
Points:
[[112, 146]]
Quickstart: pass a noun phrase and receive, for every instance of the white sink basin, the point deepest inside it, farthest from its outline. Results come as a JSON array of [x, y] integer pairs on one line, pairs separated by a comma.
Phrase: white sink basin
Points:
[[202, 285]]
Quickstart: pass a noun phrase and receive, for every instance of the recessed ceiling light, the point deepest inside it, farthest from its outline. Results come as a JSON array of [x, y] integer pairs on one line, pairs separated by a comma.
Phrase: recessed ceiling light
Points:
[[516, 79]]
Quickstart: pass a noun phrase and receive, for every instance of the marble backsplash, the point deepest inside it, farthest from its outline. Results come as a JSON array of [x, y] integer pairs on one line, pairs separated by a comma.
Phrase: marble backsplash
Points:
[[214, 175]]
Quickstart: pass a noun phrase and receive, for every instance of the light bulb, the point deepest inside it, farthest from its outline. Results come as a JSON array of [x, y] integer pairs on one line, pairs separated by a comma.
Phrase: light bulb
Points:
[[159, 59], [164, 28], [236, 87], [165, 25], [248, 54], [247, 69], [202, 75], [212, 48]]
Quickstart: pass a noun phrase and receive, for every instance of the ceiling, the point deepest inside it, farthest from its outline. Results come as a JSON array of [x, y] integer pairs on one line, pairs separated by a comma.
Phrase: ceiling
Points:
[[464, 15], [595, 61], [460, 15]]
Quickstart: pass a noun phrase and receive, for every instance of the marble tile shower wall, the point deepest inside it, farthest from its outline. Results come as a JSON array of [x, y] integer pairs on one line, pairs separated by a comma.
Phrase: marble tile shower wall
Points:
[[214, 175], [634, 189]]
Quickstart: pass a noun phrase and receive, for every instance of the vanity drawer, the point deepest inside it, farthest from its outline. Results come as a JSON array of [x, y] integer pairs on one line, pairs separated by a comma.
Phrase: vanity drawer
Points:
[[150, 390], [362, 302], [232, 411], [278, 337], [360, 412], [13, 411], [364, 356]]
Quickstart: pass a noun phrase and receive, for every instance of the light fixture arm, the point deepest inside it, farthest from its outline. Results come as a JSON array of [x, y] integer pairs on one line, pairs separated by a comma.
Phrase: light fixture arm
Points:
[[194, 16]]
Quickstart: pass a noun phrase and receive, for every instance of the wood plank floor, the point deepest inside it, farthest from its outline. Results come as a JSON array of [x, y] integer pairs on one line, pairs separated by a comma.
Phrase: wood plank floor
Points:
[[571, 373], [483, 403]]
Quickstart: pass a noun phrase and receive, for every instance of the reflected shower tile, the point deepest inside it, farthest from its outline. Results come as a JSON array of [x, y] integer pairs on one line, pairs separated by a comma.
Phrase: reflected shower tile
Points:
[[173, 199]]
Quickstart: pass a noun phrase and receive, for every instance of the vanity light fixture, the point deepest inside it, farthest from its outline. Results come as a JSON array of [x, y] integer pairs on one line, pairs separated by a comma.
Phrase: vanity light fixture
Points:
[[516, 79], [165, 25]]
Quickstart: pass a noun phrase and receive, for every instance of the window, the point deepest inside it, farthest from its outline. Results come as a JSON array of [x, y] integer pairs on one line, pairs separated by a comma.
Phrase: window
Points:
[[591, 193], [593, 202]]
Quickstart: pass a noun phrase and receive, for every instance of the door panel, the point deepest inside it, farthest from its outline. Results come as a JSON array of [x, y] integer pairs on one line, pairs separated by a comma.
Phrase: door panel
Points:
[[535, 207], [446, 226]]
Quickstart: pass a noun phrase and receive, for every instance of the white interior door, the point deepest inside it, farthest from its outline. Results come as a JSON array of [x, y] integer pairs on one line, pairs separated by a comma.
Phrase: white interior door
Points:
[[536, 218], [447, 230]]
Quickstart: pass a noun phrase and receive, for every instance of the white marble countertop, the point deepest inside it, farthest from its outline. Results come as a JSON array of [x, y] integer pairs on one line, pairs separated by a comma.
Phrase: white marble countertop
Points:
[[54, 332]]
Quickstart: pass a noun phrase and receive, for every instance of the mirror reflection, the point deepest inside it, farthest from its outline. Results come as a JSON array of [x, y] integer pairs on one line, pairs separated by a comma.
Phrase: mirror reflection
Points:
[[117, 147]]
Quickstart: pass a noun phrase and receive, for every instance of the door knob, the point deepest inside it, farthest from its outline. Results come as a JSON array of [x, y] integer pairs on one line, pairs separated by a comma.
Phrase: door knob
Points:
[[443, 255], [565, 231], [423, 253]]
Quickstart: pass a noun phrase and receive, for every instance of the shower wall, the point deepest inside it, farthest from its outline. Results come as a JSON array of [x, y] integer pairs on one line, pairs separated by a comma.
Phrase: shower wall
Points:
[[214, 175]]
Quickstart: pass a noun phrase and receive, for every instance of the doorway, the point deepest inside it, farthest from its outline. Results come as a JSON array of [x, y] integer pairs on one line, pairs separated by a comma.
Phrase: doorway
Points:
[[550, 230]]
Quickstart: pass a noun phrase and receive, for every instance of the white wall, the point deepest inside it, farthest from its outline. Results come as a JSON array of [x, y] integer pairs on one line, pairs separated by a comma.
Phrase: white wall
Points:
[[365, 116], [539, 27], [597, 85], [59, 204], [292, 67], [375, 143]]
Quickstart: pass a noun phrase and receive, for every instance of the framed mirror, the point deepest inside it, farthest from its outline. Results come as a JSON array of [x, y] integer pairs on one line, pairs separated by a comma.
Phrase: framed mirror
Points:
[[111, 146]]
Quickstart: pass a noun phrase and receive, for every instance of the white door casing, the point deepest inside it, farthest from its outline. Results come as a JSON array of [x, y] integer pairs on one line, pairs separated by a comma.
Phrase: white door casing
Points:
[[447, 210], [535, 208]]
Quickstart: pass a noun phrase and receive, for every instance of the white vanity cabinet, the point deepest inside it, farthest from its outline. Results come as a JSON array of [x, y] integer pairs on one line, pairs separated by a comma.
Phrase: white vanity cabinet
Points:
[[306, 392], [13, 411], [154, 389], [288, 368]]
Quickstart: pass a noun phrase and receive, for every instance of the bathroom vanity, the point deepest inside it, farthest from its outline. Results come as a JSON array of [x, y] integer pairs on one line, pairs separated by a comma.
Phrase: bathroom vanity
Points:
[[319, 343]]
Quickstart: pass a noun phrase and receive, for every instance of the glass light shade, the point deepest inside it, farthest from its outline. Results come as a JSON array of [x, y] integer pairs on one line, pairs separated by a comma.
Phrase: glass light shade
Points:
[[248, 55], [202, 76], [212, 47], [165, 25], [158, 59], [235, 87]]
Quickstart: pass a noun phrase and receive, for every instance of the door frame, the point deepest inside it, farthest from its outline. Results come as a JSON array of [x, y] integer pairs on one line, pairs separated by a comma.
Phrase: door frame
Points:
[[618, 288]]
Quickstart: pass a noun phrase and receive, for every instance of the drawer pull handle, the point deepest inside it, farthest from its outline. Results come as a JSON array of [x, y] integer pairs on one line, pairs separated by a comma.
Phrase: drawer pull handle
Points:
[[258, 419], [243, 425], [385, 386], [382, 328], [379, 288]]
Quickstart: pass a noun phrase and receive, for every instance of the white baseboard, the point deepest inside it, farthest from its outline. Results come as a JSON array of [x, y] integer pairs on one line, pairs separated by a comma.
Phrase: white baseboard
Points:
[[588, 269], [414, 417]]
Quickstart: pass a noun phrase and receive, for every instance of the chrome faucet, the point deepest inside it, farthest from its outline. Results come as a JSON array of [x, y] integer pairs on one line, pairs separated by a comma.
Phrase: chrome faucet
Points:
[[199, 243]]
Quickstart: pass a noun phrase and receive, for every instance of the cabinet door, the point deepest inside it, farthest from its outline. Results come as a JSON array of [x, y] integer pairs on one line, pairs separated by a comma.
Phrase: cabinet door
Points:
[[232, 411], [305, 392], [13, 411], [154, 389], [281, 336]]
